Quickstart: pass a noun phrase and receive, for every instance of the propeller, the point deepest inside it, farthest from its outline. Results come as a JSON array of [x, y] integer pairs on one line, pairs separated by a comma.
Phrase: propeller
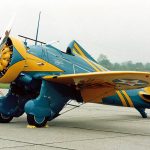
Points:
[[5, 50], [7, 31]]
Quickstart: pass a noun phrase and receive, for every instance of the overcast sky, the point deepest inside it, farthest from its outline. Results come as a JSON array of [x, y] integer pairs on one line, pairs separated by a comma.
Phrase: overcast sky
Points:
[[118, 28]]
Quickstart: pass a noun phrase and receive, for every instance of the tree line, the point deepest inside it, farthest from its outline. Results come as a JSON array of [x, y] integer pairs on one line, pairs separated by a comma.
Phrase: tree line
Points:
[[126, 66]]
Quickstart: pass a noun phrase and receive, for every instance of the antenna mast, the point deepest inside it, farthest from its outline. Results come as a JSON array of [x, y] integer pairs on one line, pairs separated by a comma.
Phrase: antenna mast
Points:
[[37, 32]]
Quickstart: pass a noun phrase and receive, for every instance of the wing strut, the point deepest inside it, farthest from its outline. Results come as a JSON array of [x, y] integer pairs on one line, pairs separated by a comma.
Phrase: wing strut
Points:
[[73, 107]]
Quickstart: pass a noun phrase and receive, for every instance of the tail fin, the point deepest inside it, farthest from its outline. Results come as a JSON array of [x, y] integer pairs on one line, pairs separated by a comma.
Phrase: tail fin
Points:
[[75, 48]]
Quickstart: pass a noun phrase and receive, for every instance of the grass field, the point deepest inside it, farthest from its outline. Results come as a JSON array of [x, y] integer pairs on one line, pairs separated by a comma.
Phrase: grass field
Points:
[[4, 86]]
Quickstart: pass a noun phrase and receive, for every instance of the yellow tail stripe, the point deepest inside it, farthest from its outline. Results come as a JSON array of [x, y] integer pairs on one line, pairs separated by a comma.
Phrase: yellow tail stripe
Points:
[[79, 50], [128, 98], [122, 98], [95, 68], [98, 66], [85, 58]]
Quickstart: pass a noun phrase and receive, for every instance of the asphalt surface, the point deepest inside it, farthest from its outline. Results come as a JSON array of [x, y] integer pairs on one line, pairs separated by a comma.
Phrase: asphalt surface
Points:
[[90, 127]]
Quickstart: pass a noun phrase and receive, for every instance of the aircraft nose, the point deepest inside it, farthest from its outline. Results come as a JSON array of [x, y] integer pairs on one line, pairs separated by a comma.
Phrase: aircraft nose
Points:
[[12, 59]]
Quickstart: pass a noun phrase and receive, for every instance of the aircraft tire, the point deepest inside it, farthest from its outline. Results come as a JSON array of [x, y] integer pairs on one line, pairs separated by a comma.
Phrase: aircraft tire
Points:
[[33, 122], [5, 119]]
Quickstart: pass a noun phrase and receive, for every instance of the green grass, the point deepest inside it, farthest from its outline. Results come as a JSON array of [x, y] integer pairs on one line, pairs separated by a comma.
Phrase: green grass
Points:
[[4, 86]]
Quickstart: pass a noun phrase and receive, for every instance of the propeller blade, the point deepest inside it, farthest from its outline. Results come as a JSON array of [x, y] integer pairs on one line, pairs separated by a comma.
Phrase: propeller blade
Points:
[[5, 35]]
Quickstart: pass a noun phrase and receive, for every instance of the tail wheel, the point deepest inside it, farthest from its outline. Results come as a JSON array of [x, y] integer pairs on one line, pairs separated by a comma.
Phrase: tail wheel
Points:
[[36, 121], [5, 119]]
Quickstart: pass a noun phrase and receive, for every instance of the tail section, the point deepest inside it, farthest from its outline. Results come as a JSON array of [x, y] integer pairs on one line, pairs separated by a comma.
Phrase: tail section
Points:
[[138, 98], [75, 48]]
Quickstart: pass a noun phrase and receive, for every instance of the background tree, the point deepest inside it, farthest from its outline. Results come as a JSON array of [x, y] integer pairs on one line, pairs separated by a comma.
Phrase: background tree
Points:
[[126, 66], [104, 61]]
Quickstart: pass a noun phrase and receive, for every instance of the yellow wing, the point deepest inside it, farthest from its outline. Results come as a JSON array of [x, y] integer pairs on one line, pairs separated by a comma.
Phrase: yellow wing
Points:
[[97, 85]]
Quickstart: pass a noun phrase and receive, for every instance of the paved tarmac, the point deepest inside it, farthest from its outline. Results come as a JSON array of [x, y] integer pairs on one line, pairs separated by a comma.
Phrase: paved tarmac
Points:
[[90, 127]]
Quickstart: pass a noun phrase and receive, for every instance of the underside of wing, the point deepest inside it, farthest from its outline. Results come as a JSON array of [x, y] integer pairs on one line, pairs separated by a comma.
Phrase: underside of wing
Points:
[[120, 80], [103, 84]]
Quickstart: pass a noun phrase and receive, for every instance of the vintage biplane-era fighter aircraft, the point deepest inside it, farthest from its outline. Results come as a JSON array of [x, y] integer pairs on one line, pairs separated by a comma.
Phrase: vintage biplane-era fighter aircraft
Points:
[[43, 79]]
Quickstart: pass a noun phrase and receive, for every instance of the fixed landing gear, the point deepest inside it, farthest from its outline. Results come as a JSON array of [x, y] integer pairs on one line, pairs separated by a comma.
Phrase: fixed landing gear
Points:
[[36, 121], [47, 105], [5, 118]]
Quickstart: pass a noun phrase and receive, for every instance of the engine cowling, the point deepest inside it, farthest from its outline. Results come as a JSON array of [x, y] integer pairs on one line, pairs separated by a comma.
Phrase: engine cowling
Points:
[[12, 59]]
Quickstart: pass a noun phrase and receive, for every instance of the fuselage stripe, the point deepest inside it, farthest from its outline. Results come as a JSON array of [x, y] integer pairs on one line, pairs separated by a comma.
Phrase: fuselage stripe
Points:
[[128, 98], [121, 98], [128, 105]]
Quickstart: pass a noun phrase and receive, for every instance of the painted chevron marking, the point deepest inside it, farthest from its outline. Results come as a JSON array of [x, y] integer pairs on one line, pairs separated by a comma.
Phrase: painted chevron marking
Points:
[[128, 98], [122, 98]]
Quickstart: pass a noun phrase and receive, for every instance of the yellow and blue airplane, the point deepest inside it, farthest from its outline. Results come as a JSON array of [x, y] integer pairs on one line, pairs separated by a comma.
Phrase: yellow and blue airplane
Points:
[[43, 79]]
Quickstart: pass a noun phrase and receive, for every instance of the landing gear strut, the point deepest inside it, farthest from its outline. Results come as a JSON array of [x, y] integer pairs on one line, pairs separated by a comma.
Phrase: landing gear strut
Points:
[[47, 105]]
